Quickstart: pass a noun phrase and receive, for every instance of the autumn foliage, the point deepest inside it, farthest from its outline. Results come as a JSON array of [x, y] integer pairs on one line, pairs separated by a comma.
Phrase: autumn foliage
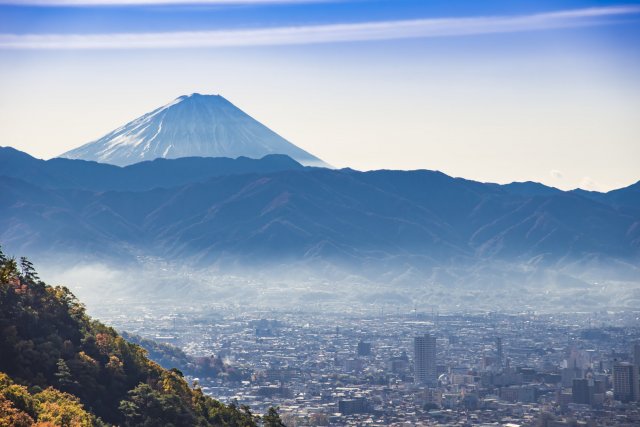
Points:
[[58, 367]]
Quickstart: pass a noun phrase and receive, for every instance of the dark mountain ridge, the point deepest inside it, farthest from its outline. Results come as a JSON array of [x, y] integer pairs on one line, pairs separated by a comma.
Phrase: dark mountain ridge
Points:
[[90, 175], [274, 209]]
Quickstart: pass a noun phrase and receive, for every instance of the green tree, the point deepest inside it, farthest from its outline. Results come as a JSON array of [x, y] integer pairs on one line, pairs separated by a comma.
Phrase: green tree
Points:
[[64, 376], [8, 270], [62, 409], [272, 418], [148, 407]]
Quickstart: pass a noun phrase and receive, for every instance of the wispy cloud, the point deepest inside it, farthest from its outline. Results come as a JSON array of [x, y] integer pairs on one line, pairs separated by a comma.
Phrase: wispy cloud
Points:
[[148, 2], [586, 183], [295, 35], [556, 174]]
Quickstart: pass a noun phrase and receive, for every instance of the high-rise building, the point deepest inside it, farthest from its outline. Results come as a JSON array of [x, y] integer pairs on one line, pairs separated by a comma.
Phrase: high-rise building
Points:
[[624, 382], [499, 350], [580, 391], [425, 368], [364, 348], [636, 371], [358, 405]]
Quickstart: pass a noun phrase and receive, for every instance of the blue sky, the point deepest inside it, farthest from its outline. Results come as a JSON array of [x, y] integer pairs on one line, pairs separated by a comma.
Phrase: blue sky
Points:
[[90, 16], [489, 90]]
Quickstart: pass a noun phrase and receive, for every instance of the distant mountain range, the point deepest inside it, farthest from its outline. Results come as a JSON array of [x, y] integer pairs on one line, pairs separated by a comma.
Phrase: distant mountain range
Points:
[[89, 175], [207, 211], [191, 126]]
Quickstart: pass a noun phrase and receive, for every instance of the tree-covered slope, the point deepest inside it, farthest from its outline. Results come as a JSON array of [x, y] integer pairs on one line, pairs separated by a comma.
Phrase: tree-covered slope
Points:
[[169, 356], [58, 366]]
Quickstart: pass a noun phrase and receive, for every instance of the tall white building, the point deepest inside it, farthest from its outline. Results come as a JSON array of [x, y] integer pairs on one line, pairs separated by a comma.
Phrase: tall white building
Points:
[[425, 368]]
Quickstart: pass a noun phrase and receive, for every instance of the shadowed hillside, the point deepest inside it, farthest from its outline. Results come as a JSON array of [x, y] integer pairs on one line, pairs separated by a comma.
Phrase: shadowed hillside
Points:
[[59, 366]]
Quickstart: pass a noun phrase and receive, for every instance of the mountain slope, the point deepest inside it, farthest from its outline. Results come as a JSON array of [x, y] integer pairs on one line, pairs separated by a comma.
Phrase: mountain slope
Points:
[[190, 126], [626, 198], [317, 214], [86, 369], [80, 174]]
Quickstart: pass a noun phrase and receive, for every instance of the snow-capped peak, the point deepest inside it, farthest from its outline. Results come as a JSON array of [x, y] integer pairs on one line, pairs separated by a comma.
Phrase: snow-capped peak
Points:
[[190, 125]]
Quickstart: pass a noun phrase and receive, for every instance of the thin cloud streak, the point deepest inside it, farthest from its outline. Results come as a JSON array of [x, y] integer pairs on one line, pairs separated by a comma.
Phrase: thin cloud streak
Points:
[[85, 3], [332, 33]]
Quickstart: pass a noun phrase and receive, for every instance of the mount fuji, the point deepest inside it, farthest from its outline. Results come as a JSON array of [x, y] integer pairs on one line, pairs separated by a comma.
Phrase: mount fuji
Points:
[[191, 126]]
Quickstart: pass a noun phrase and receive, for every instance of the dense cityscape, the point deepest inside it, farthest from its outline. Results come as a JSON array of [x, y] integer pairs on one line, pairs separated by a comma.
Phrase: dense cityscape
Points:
[[410, 367]]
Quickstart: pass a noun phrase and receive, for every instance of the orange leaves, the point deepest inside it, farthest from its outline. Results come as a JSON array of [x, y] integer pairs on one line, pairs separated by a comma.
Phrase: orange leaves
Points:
[[10, 416], [104, 342]]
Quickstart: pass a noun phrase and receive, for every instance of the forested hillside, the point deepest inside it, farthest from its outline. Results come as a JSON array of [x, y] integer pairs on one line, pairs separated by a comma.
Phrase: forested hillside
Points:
[[169, 356], [60, 367]]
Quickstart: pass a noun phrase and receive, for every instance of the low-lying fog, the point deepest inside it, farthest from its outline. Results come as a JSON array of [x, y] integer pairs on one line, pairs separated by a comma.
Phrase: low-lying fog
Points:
[[508, 288]]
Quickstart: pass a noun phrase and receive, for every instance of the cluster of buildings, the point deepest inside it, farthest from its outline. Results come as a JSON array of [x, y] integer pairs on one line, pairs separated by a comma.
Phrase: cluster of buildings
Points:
[[374, 368]]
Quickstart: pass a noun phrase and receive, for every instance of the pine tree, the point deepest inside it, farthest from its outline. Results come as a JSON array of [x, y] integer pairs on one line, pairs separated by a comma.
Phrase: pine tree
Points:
[[28, 271], [64, 376]]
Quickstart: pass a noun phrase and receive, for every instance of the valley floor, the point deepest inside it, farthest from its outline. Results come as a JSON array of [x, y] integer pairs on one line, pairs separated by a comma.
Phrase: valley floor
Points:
[[355, 367]]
